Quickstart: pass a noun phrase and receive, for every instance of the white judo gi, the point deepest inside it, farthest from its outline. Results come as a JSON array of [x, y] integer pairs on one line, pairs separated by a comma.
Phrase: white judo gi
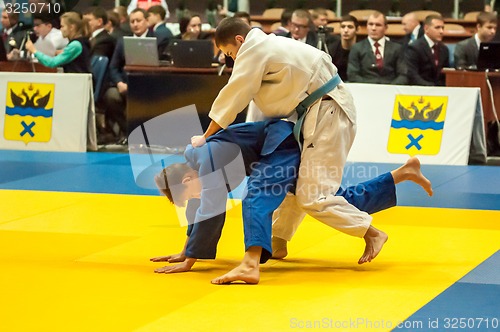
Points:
[[278, 73]]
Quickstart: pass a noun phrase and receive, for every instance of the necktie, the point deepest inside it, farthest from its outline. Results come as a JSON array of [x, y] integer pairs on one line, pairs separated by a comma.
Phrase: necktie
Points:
[[378, 56], [435, 50], [412, 38]]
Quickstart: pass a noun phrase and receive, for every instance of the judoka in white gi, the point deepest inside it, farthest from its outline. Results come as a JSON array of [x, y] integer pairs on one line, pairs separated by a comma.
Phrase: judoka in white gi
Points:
[[279, 74]]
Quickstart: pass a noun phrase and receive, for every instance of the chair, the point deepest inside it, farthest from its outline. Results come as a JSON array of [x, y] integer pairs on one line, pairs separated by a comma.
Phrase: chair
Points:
[[422, 14], [471, 16], [275, 26], [99, 67], [362, 14], [330, 14], [273, 13], [454, 28], [395, 29], [335, 26]]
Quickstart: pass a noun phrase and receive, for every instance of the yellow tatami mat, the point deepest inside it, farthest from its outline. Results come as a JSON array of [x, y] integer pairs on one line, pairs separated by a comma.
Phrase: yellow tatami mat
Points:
[[80, 262]]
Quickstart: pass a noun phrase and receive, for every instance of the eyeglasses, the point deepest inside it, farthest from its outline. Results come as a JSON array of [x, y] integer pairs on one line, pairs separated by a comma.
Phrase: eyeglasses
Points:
[[299, 26]]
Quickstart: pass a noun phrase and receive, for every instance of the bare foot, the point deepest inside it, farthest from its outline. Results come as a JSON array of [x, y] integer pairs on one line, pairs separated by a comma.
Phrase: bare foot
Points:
[[375, 240], [243, 272], [411, 171], [176, 258], [280, 250], [248, 270]]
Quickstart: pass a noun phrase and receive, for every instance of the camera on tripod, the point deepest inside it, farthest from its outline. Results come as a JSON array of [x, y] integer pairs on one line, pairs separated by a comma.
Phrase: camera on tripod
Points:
[[324, 30]]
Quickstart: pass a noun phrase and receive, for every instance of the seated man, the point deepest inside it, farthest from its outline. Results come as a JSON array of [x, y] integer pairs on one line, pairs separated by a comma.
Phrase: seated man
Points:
[[467, 51], [376, 59], [371, 196], [428, 55], [50, 40]]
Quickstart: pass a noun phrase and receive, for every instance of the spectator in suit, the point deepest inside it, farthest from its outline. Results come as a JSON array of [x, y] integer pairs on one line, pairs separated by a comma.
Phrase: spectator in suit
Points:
[[115, 97], [302, 29], [427, 56], [319, 17], [376, 59], [286, 18], [156, 21], [101, 43], [113, 25], [50, 40], [467, 51], [412, 28], [339, 49], [13, 33]]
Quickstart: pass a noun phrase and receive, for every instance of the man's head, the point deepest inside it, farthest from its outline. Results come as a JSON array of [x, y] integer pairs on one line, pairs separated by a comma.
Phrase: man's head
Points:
[[156, 14], [97, 18], [179, 183], [230, 35], [376, 26], [42, 24], [300, 24], [486, 26], [9, 19], [138, 21], [409, 22], [113, 20], [434, 28], [319, 17], [348, 27]]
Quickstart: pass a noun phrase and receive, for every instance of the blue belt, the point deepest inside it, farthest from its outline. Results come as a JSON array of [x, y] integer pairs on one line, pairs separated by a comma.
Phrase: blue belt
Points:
[[301, 109]]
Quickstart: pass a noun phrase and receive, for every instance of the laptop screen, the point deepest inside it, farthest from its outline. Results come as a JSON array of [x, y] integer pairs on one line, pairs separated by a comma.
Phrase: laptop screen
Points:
[[489, 56], [141, 51], [192, 53]]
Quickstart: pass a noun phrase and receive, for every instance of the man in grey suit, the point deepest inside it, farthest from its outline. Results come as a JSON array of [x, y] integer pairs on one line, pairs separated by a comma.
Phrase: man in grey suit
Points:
[[466, 51], [377, 59]]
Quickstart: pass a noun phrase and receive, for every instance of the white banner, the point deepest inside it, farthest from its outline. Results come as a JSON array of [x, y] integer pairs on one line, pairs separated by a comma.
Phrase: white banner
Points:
[[433, 123], [46, 112]]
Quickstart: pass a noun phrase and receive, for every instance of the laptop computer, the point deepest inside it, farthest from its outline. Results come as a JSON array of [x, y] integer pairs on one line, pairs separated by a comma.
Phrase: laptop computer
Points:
[[489, 56], [141, 51], [192, 53]]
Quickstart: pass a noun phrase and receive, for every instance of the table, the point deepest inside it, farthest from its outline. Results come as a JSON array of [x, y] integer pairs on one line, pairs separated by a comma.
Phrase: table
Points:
[[464, 78], [25, 66], [153, 91]]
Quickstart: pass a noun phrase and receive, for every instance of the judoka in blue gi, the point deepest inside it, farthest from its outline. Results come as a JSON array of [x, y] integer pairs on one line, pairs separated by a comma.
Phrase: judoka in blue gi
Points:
[[270, 158]]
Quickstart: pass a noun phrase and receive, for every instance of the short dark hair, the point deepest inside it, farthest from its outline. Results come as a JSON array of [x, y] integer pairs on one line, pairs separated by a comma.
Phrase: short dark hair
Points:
[[139, 10], [100, 13], [350, 18], [486, 17], [376, 14], [229, 28], [159, 10], [171, 175], [113, 17], [429, 18]]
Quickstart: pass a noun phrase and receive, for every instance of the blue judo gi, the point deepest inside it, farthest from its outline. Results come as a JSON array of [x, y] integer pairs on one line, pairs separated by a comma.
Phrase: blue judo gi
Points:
[[271, 158]]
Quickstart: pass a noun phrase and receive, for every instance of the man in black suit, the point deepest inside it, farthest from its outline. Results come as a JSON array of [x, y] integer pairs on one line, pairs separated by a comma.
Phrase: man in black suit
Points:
[[101, 43], [13, 32], [412, 27], [376, 59], [302, 29], [467, 51], [115, 97], [427, 56]]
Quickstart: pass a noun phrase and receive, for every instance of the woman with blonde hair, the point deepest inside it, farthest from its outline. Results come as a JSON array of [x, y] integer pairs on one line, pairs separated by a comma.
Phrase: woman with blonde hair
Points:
[[75, 58]]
